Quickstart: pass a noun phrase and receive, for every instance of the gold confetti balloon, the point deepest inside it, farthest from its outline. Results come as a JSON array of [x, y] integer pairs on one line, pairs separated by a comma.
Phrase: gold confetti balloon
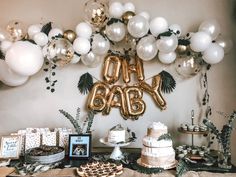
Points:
[[96, 13], [69, 35], [127, 16], [16, 29]]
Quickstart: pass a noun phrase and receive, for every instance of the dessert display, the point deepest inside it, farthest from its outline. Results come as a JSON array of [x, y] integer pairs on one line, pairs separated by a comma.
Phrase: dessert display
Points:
[[116, 134], [193, 128], [157, 147], [104, 169], [193, 152], [45, 154]]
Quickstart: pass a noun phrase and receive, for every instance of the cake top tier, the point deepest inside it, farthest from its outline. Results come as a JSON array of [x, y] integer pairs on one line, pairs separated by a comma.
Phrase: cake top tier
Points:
[[157, 126]]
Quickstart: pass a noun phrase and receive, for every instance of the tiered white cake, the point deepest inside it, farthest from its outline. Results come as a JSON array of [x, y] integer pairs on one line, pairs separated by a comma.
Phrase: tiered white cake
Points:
[[116, 134], [157, 152]]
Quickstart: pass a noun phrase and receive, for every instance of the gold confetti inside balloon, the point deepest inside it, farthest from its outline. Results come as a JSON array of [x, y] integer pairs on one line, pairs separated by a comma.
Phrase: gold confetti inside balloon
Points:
[[69, 35], [95, 13], [16, 29]]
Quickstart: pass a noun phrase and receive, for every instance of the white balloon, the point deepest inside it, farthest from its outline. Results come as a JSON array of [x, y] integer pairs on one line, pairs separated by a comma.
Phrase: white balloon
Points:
[[176, 29], [24, 58], [116, 9], [200, 41], [10, 78], [100, 45], [213, 54], [158, 25], [138, 26], [225, 42], [54, 32], [212, 27], [145, 15], [5, 45], [91, 60], [34, 29], [116, 31], [75, 59], [146, 48], [167, 58], [84, 30], [81, 45], [4, 35], [40, 39], [167, 44], [129, 6]]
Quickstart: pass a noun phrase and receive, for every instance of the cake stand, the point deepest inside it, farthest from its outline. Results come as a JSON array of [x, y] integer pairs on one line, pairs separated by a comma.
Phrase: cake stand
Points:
[[116, 153]]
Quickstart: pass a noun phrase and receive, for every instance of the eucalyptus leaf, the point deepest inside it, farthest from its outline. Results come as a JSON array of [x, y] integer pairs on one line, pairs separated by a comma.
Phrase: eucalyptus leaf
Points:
[[168, 82], [47, 28], [85, 83]]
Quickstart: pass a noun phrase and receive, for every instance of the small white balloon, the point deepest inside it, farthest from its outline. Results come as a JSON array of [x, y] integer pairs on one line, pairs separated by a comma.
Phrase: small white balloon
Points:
[[84, 30], [10, 78], [116, 31], [34, 29], [212, 27], [75, 59], [24, 58], [116, 9], [129, 6], [167, 58], [91, 60], [100, 45], [167, 44], [81, 45], [5, 45], [4, 35], [145, 15], [54, 32], [200, 41], [158, 25], [138, 26], [176, 29], [213, 54], [40, 39], [225, 42]]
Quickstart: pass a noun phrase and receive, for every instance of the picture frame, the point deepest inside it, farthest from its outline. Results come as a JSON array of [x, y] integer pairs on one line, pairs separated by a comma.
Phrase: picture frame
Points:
[[10, 147], [79, 146]]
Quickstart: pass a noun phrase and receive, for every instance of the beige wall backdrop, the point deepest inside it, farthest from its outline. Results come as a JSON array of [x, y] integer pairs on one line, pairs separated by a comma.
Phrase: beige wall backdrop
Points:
[[31, 105]]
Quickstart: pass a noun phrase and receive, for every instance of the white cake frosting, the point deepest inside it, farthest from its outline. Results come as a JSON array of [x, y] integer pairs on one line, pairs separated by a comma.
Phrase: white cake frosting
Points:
[[158, 152], [116, 134], [154, 142], [157, 126]]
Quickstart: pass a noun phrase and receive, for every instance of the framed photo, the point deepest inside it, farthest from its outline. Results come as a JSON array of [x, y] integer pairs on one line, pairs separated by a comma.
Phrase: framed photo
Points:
[[79, 146], [10, 147]]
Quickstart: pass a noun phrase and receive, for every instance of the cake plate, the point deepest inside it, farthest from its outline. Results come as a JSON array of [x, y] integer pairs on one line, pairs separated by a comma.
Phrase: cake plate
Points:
[[166, 167], [116, 153]]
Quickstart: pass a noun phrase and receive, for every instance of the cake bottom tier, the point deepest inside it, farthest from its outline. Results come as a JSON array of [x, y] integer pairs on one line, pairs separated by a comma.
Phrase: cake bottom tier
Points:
[[161, 162]]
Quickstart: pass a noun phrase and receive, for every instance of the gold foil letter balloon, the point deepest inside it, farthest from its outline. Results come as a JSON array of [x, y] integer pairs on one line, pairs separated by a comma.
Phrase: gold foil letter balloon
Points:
[[112, 63], [155, 91], [135, 105], [137, 68], [98, 97]]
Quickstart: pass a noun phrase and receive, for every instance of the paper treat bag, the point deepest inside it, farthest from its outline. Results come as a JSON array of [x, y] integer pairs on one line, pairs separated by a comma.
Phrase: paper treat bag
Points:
[[49, 138], [32, 140]]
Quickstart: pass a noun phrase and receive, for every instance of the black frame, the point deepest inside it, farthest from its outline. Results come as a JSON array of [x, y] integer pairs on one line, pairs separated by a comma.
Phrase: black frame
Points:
[[71, 136]]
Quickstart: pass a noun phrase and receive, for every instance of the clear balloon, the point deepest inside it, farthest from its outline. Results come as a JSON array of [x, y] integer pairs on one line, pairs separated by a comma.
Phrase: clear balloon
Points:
[[91, 60], [96, 13], [200, 41], [167, 44], [4, 35], [116, 9], [158, 25], [24, 58], [211, 27], [188, 66], [146, 48], [9, 77], [213, 54], [225, 42], [138, 26], [167, 58], [100, 45], [59, 51], [116, 31], [16, 29], [81, 45]]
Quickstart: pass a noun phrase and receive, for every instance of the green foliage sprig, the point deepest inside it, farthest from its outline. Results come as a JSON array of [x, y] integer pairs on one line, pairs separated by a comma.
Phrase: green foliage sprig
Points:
[[85, 83], [165, 136], [168, 82]]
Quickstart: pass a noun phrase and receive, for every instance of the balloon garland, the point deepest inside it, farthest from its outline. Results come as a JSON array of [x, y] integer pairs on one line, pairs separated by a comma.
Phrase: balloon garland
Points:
[[113, 27]]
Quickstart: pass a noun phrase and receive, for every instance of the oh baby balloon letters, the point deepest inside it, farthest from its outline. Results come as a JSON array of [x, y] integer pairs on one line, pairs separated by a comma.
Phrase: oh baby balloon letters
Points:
[[128, 99]]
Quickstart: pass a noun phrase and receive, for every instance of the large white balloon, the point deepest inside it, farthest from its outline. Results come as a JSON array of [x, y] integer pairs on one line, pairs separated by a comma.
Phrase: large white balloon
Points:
[[81, 45], [138, 26], [84, 30], [100, 45], [167, 44], [5, 45], [167, 58], [10, 78], [34, 29], [213, 54], [24, 58], [158, 25], [116, 9], [200, 41], [54, 32], [146, 48], [176, 29], [116, 31], [40, 39], [91, 60], [225, 42], [129, 6], [212, 27]]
